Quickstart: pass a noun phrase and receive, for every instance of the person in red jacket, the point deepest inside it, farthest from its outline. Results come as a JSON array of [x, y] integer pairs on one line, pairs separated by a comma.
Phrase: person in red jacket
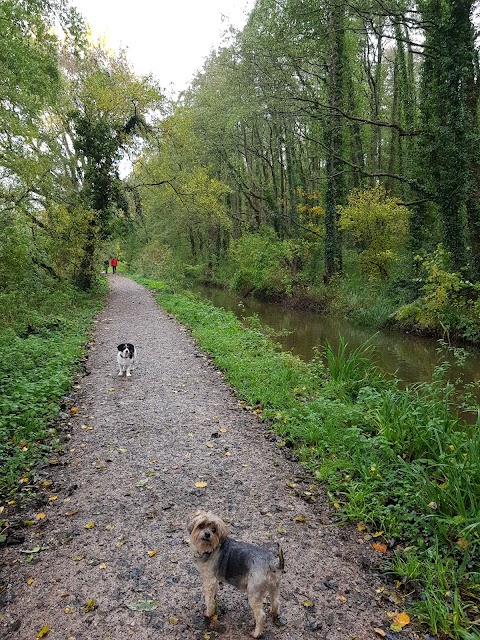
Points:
[[113, 264]]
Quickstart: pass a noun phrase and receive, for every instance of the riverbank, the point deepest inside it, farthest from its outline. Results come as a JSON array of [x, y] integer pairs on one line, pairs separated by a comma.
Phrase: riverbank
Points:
[[396, 462]]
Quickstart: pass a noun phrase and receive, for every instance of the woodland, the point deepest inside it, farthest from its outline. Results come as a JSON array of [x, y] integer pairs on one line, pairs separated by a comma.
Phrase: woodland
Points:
[[327, 155], [325, 150]]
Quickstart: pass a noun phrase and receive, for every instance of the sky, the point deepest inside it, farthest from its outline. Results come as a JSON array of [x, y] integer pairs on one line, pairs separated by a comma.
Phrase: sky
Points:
[[168, 38]]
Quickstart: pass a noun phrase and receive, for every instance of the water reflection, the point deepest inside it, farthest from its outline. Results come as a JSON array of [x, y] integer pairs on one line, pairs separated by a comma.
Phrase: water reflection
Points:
[[410, 358]]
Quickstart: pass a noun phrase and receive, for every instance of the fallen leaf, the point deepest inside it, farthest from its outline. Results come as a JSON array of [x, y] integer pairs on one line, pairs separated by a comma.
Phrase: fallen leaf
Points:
[[43, 632], [89, 525], [152, 553], [53, 498], [209, 445], [143, 605], [381, 547], [300, 519], [402, 619], [462, 543], [89, 606], [173, 620], [73, 410], [103, 565], [122, 450], [308, 603], [40, 516], [377, 535], [380, 632], [200, 484], [292, 485], [30, 581]]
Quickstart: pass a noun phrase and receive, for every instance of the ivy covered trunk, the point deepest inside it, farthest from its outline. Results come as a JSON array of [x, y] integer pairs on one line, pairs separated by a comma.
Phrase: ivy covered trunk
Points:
[[335, 190]]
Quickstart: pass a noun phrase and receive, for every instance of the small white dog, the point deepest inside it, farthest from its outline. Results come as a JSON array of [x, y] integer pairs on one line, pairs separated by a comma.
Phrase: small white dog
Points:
[[126, 358]]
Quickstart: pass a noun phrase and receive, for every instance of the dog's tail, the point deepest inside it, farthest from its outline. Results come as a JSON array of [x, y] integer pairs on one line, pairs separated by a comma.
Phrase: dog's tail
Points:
[[281, 559]]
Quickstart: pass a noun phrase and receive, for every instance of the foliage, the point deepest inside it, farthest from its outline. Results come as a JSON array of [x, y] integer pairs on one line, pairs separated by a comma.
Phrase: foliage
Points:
[[46, 341], [397, 462], [378, 226], [260, 263], [447, 300]]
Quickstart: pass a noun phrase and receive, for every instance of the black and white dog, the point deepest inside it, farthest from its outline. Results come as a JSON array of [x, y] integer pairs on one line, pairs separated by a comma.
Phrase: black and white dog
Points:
[[126, 358]]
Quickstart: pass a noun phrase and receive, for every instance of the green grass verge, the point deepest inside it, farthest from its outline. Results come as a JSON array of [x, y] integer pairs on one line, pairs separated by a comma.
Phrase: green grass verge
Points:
[[397, 461], [40, 352]]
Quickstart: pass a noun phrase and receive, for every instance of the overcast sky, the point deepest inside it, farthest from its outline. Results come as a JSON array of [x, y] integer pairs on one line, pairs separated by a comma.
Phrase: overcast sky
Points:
[[169, 38]]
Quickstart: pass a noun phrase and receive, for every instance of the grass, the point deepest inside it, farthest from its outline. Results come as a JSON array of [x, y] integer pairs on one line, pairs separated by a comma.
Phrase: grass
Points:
[[40, 352], [396, 461]]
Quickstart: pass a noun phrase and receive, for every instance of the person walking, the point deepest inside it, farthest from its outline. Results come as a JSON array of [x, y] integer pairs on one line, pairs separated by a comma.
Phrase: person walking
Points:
[[113, 264], [106, 264]]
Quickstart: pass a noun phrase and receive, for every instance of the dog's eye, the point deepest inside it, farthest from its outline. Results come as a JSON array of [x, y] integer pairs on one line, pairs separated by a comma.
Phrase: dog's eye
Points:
[[201, 526], [214, 530]]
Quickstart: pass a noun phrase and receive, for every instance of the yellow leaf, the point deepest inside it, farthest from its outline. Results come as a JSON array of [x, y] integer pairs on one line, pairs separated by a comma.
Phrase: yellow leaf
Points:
[[173, 620], [89, 606], [378, 534], [308, 603], [43, 632], [89, 525], [30, 581], [223, 430], [53, 498], [103, 565], [336, 505], [380, 632], [361, 526], [209, 445], [300, 519], [402, 619], [200, 484], [40, 516], [152, 553], [123, 450], [227, 453], [292, 485], [74, 410]]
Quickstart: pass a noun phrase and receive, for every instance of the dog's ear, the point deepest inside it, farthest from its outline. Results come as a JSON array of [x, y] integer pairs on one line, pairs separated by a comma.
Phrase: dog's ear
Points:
[[192, 521], [222, 529], [121, 347]]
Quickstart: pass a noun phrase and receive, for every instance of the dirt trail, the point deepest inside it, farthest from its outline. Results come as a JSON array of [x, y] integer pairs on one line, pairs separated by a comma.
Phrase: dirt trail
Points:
[[126, 486]]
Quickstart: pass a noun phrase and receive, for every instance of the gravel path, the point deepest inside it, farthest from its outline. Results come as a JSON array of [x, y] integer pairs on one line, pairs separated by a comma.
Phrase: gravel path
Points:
[[116, 504]]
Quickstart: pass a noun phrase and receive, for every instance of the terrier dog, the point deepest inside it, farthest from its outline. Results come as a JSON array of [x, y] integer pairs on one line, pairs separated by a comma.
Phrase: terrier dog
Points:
[[126, 358], [219, 558]]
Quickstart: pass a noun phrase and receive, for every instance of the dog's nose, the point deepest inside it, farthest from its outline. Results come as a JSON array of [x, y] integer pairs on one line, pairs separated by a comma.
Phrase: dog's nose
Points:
[[206, 535]]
